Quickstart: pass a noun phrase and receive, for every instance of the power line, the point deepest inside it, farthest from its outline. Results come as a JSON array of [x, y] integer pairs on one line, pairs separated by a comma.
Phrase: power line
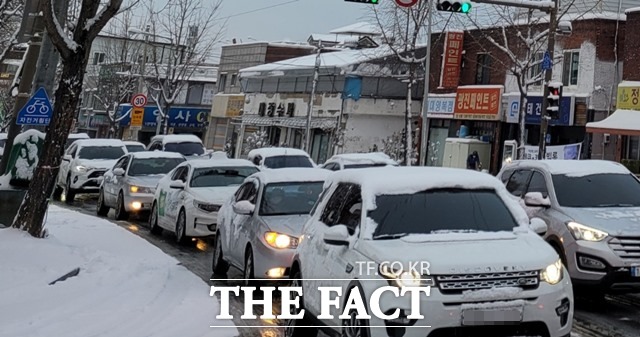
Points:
[[259, 9]]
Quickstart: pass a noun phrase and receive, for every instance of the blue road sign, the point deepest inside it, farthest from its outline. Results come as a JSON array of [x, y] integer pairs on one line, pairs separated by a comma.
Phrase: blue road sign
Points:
[[546, 61], [37, 111]]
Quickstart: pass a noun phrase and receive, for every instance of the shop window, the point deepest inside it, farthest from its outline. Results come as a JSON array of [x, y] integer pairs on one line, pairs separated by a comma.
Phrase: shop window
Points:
[[536, 67], [222, 82], [633, 148], [483, 68], [234, 80], [570, 67]]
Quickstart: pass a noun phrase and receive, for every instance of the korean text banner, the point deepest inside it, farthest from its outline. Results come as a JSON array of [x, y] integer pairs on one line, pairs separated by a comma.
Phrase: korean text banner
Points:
[[478, 102], [450, 74], [566, 152], [179, 117], [628, 97]]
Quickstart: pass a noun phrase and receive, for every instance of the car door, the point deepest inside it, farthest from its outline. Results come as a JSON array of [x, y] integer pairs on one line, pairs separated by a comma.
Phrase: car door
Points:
[[109, 183], [239, 222], [538, 183], [118, 182], [175, 195], [65, 164]]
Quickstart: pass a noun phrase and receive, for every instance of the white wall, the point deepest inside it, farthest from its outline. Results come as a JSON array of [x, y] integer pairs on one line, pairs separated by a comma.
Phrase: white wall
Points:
[[363, 131]]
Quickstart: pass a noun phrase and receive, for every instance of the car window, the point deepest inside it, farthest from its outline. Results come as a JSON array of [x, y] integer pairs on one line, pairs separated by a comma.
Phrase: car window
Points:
[[351, 210], [323, 195], [333, 209], [135, 148], [153, 166], [429, 212], [179, 173], [287, 161], [518, 182], [289, 198], [221, 176], [538, 184], [597, 190], [250, 193], [101, 152], [329, 166], [506, 175], [120, 163], [186, 149]]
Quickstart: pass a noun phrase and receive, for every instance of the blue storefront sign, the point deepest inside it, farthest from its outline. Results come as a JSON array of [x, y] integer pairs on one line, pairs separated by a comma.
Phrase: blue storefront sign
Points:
[[534, 111], [179, 117]]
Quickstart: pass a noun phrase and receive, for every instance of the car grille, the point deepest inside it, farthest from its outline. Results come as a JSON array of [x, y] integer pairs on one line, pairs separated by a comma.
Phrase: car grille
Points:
[[96, 174], [456, 284], [626, 247]]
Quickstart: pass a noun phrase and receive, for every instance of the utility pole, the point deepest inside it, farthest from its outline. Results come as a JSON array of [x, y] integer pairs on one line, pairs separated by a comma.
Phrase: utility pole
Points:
[[316, 73], [424, 128], [544, 120], [31, 30]]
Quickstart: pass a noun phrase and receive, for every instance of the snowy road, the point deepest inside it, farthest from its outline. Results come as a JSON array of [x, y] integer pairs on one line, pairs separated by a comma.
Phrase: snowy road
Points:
[[618, 317]]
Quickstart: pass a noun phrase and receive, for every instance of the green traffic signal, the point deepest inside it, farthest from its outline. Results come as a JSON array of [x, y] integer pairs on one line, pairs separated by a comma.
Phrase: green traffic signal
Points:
[[466, 7]]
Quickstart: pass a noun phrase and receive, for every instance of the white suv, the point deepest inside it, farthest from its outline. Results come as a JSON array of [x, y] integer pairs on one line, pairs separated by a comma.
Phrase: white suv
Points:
[[489, 270]]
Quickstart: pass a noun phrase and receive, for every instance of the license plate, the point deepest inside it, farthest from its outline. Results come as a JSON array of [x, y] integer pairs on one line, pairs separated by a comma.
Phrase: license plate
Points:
[[635, 271], [491, 316]]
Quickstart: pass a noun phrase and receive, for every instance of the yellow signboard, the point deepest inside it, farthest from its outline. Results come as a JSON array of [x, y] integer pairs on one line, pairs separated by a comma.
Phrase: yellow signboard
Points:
[[628, 98], [235, 104], [137, 115]]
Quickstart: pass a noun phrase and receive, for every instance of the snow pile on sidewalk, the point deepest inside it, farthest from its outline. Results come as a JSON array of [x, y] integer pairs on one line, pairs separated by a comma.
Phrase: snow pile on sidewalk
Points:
[[126, 286]]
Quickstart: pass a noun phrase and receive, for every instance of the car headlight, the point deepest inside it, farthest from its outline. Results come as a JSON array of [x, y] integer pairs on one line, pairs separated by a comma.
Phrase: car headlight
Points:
[[401, 278], [141, 189], [82, 169], [281, 241], [207, 207], [582, 232], [552, 274]]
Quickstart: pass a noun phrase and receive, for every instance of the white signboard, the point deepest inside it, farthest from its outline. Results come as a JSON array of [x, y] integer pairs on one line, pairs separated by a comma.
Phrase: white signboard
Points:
[[569, 151], [513, 109], [207, 94], [440, 107]]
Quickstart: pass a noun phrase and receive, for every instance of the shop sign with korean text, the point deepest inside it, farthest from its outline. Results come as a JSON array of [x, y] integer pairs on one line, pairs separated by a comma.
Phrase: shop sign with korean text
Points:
[[628, 96], [440, 107], [179, 117], [450, 72], [564, 152], [478, 102], [533, 110]]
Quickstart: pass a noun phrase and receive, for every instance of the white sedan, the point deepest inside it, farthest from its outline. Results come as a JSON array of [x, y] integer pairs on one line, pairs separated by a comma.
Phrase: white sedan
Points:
[[188, 198]]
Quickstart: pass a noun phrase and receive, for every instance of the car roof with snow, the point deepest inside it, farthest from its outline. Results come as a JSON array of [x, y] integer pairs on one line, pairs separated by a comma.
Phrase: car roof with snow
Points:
[[266, 152], [99, 142], [177, 139], [363, 158], [78, 136], [292, 174], [205, 163], [131, 142], [408, 180], [572, 167], [156, 154]]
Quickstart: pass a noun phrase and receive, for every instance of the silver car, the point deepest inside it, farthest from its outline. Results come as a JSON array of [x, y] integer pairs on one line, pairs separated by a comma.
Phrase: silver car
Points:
[[592, 208], [260, 225], [130, 185]]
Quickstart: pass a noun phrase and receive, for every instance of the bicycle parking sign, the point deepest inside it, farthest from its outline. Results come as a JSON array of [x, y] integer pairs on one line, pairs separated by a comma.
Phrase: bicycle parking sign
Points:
[[37, 111]]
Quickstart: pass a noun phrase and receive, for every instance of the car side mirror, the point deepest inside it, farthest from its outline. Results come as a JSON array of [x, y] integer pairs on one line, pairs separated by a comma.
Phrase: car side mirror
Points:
[[539, 226], [119, 172], [244, 207], [536, 199], [177, 184], [67, 157], [337, 236]]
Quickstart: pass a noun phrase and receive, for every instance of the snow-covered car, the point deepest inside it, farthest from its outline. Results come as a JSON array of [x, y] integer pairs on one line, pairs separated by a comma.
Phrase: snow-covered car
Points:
[[347, 161], [133, 146], [189, 146], [188, 198], [83, 165], [280, 157], [73, 137], [259, 226], [131, 184], [593, 211], [484, 260]]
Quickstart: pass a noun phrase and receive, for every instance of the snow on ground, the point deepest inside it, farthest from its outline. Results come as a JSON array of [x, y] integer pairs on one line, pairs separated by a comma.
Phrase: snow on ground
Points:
[[126, 286]]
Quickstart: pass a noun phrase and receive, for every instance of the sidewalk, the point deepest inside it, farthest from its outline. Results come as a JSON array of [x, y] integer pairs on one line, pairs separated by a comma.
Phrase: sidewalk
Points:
[[126, 287]]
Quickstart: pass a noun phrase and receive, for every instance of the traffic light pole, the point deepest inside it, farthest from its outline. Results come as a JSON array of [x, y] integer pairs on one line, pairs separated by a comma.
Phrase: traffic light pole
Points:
[[424, 128], [544, 120]]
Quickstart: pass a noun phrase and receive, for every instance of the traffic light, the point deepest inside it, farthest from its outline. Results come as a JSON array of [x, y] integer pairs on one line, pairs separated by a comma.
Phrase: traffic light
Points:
[[454, 6], [373, 2], [554, 97]]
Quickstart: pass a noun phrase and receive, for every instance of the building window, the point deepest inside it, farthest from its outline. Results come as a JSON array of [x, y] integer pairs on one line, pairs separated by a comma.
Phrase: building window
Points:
[[570, 68], [98, 58], [222, 82], [536, 67], [483, 68], [234, 80]]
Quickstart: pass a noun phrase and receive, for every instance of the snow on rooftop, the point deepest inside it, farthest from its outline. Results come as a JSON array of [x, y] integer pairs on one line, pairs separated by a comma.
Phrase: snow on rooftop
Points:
[[362, 28], [337, 59], [156, 154], [333, 38], [266, 152], [99, 142], [126, 286], [293, 174], [576, 168], [632, 10], [629, 83], [620, 120]]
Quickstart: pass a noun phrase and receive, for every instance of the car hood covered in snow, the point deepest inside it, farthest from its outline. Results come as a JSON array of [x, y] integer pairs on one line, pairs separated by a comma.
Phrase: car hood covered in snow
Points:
[[617, 221], [97, 163], [146, 181], [464, 253], [286, 224], [214, 195]]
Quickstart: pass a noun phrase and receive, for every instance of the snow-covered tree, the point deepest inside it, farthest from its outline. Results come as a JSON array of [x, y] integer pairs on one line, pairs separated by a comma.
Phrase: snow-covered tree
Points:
[[73, 44], [256, 140], [394, 147], [10, 17], [192, 28], [6, 108]]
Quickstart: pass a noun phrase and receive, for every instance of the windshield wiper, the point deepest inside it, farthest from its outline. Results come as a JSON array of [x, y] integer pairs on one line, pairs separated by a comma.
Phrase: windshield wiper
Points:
[[616, 205], [390, 236]]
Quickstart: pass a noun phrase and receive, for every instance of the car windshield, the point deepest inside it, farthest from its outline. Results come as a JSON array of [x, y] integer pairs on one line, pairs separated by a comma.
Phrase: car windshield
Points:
[[135, 148], [101, 152], [597, 190], [356, 166], [276, 162], [289, 198], [70, 141], [186, 149], [430, 212], [221, 176], [2, 142], [151, 166]]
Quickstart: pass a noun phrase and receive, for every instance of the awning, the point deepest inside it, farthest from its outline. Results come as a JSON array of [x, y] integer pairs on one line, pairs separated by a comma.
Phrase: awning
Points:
[[290, 122], [621, 122]]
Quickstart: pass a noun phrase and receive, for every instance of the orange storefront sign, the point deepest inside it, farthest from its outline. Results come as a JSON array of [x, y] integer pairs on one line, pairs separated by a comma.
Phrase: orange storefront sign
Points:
[[450, 72], [478, 102]]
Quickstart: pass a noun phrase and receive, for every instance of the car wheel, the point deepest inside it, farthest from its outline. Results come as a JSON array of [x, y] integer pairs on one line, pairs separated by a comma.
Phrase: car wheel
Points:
[[181, 228], [69, 193], [248, 271], [101, 209], [121, 213], [354, 327], [219, 265], [299, 327], [153, 221]]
